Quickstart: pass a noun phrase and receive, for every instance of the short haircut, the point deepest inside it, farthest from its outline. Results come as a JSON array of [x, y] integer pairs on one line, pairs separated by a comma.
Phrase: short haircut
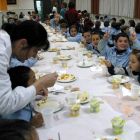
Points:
[[137, 29], [121, 35], [122, 21], [117, 26], [19, 76], [45, 19], [123, 28], [97, 33], [63, 21], [113, 24], [85, 11], [65, 4], [16, 130], [106, 23], [56, 4], [132, 23], [63, 25], [9, 19], [97, 24], [79, 11], [29, 12], [71, 5], [97, 16], [114, 19], [87, 15], [86, 31], [73, 26], [101, 18]]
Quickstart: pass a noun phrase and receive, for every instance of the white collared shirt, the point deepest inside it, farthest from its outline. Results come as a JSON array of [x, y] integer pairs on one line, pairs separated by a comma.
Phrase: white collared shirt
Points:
[[11, 100]]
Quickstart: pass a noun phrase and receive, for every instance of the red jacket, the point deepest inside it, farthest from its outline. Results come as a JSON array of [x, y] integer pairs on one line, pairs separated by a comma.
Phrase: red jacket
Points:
[[88, 24], [71, 16]]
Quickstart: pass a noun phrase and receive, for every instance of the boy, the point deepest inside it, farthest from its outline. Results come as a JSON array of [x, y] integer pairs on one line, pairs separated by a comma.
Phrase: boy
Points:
[[105, 28], [64, 29], [46, 21]]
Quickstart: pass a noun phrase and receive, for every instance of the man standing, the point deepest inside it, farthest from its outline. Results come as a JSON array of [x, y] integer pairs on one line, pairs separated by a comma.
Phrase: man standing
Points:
[[63, 10]]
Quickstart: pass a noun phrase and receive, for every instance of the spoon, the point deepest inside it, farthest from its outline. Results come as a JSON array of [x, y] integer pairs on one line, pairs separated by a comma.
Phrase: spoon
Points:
[[77, 101], [57, 92]]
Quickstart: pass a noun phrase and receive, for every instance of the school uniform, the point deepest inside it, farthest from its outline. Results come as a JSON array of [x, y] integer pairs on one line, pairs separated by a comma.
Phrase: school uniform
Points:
[[105, 29], [116, 57], [113, 32], [77, 38], [11, 100], [138, 37], [62, 12], [29, 63]]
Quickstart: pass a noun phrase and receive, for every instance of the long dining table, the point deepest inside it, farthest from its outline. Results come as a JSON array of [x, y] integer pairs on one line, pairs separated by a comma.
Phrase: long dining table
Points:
[[88, 126]]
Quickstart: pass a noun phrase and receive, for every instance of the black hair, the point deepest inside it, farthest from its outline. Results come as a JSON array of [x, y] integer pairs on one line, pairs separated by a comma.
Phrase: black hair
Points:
[[73, 26], [63, 25], [105, 16], [63, 21], [16, 130], [19, 76], [71, 5], [65, 4], [33, 32], [136, 53], [97, 33], [121, 35], [101, 18], [106, 23], [85, 11], [132, 23], [87, 15], [9, 19], [29, 12], [122, 21], [79, 11], [114, 19], [45, 19], [7, 27], [137, 28], [86, 31], [97, 16], [97, 24], [117, 26], [113, 24], [123, 28]]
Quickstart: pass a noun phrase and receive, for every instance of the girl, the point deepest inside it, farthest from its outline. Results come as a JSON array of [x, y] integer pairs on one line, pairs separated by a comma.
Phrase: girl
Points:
[[122, 21], [24, 76], [74, 35], [133, 70], [131, 23], [119, 54]]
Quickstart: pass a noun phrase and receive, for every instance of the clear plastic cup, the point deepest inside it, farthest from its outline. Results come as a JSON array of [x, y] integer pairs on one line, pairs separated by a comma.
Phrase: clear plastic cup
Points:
[[89, 54], [104, 70], [72, 97], [55, 60], [47, 114], [135, 92], [102, 58], [64, 64]]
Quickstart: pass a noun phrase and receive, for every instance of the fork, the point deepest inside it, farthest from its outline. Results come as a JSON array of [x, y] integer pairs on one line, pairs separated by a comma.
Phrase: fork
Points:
[[59, 136]]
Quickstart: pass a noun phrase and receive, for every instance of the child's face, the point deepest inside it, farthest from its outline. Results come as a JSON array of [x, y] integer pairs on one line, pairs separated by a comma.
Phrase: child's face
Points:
[[87, 37], [73, 32], [134, 64], [86, 17], [122, 43], [47, 22], [127, 31], [64, 30], [32, 78], [95, 40], [11, 20]]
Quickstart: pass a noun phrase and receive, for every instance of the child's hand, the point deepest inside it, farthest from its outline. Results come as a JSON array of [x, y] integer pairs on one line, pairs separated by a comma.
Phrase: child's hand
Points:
[[133, 36], [107, 63], [83, 42], [43, 92], [37, 57], [37, 120], [107, 35]]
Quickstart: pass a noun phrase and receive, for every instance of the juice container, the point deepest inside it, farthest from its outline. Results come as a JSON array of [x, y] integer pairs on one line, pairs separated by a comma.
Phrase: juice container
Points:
[[76, 110]]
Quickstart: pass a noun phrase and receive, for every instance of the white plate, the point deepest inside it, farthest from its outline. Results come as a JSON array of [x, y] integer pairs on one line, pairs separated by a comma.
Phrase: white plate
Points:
[[87, 64], [51, 103], [82, 102], [50, 50], [137, 135], [85, 52], [109, 138], [65, 57], [67, 48], [66, 81], [125, 80]]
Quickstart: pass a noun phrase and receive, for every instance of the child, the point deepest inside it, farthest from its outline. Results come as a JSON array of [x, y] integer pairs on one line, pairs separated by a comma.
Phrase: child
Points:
[[37, 19], [87, 22], [64, 29], [24, 76], [119, 54], [101, 19], [46, 21], [113, 20], [137, 30], [105, 28], [97, 18], [133, 70], [122, 21], [97, 27], [131, 23], [125, 29], [74, 35]]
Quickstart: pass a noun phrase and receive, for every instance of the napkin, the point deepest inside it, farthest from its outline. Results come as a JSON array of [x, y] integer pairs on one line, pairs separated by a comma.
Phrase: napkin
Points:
[[55, 88], [126, 92], [46, 70], [97, 68]]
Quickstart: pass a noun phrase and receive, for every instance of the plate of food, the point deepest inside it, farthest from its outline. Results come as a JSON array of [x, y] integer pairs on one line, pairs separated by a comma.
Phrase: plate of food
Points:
[[48, 103], [66, 48], [53, 50], [84, 96], [85, 52], [66, 78], [108, 138], [62, 40], [119, 78], [62, 57], [40, 57], [85, 64]]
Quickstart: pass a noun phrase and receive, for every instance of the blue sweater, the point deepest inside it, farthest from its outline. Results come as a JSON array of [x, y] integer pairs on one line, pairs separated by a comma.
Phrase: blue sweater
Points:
[[111, 54], [77, 38], [29, 63]]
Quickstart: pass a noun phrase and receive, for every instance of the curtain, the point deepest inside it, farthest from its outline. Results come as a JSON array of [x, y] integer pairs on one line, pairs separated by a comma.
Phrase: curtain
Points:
[[117, 7], [83, 5], [95, 6], [137, 9]]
